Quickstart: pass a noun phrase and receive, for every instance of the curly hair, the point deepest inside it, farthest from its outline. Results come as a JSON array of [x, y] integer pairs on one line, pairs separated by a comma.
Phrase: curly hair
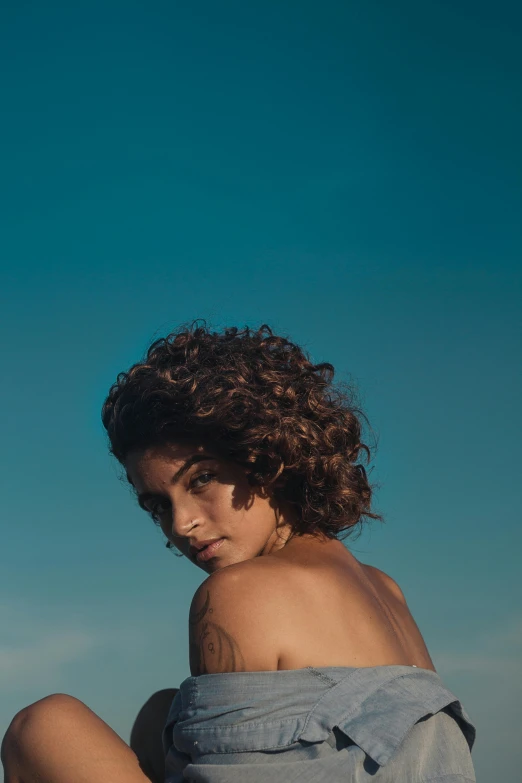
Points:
[[258, 399]]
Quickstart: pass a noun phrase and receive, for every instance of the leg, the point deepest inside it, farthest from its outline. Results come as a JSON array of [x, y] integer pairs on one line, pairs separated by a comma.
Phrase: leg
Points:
[[145, 739], [60, 740]]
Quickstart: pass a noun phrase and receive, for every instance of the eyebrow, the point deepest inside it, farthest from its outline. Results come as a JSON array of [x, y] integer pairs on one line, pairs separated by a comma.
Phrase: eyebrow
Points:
[[195, 458]]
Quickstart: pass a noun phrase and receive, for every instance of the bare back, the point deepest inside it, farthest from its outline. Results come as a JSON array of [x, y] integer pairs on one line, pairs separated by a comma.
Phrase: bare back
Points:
[[309, 604], [346, 613]]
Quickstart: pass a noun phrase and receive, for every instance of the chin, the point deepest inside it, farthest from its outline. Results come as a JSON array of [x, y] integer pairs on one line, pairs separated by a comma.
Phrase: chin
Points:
[[217, 564]]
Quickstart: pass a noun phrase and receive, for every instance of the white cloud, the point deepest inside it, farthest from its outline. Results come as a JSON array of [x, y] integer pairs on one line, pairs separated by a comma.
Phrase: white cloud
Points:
[[37, 647], [43, 655], [477, 663], [497, 651]]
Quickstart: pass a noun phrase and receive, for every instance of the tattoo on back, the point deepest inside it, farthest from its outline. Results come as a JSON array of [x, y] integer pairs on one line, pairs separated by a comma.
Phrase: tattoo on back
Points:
[[212, 649]]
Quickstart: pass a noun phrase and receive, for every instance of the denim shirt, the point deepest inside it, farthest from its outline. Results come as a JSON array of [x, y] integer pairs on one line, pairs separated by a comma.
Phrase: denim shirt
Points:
[[379, 724]]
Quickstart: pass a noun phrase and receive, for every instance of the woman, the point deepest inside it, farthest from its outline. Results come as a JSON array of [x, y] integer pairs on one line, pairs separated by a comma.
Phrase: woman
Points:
[[306, 664]]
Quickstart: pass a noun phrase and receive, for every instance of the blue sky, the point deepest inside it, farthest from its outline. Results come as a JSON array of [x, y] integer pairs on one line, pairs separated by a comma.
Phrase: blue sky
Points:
[[349, 173]]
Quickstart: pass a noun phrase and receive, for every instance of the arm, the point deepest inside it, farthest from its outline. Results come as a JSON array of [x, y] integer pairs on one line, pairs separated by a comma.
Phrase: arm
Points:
[[212, 648], [231, 623]]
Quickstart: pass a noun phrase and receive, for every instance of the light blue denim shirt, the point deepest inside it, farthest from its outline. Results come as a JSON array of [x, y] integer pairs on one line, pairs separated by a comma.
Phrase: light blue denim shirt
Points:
[[356, 725]]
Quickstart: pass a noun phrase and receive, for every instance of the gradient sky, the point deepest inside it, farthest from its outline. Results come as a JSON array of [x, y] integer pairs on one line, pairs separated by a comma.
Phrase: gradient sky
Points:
[[351, 174]]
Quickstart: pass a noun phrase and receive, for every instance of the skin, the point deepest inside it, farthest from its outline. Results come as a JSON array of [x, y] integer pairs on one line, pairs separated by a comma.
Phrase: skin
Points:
[[271, 601], [145, 738], [194, 496]]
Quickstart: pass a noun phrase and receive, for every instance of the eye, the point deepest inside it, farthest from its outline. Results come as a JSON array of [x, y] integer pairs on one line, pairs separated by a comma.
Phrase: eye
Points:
[[201, 480], [157, 508]]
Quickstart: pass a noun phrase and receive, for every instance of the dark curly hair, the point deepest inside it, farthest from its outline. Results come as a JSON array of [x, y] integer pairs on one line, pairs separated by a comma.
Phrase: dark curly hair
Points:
[[259, 400]]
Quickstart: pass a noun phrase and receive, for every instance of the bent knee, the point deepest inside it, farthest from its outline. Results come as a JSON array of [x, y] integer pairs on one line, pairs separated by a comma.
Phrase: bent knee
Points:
[[47, 712], [50, 707]]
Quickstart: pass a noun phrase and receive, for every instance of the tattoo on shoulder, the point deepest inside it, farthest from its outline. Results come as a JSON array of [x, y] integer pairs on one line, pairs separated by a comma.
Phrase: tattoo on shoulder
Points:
[[212, 649]]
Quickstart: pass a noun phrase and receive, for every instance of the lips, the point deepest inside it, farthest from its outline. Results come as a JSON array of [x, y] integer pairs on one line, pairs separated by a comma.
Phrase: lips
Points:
[[205, 550]]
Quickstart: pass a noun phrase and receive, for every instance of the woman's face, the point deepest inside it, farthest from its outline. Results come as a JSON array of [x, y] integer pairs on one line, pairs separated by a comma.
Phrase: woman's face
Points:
[[205, 505]]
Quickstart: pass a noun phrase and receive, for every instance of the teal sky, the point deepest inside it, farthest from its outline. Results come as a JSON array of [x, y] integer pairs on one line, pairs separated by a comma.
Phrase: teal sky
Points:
[[351, 174]]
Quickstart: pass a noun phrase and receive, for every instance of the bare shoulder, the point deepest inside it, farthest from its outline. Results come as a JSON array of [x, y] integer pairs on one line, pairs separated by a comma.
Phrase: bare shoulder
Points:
[[381, 578], [231, 621]]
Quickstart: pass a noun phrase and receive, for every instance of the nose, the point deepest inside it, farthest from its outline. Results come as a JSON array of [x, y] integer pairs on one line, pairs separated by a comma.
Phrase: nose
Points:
[[183, 521]]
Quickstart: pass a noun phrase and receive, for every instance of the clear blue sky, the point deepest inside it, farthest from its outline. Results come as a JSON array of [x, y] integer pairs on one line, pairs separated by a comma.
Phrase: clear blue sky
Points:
[[351, 174]]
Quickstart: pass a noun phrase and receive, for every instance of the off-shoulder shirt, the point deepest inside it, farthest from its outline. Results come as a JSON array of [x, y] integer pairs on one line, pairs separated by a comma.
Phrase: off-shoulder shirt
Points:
[[378, 724]]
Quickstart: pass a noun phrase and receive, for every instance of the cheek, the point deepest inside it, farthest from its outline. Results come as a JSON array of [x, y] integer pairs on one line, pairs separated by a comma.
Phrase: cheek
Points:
[[217, 504], [232, 507], [258, 521]]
